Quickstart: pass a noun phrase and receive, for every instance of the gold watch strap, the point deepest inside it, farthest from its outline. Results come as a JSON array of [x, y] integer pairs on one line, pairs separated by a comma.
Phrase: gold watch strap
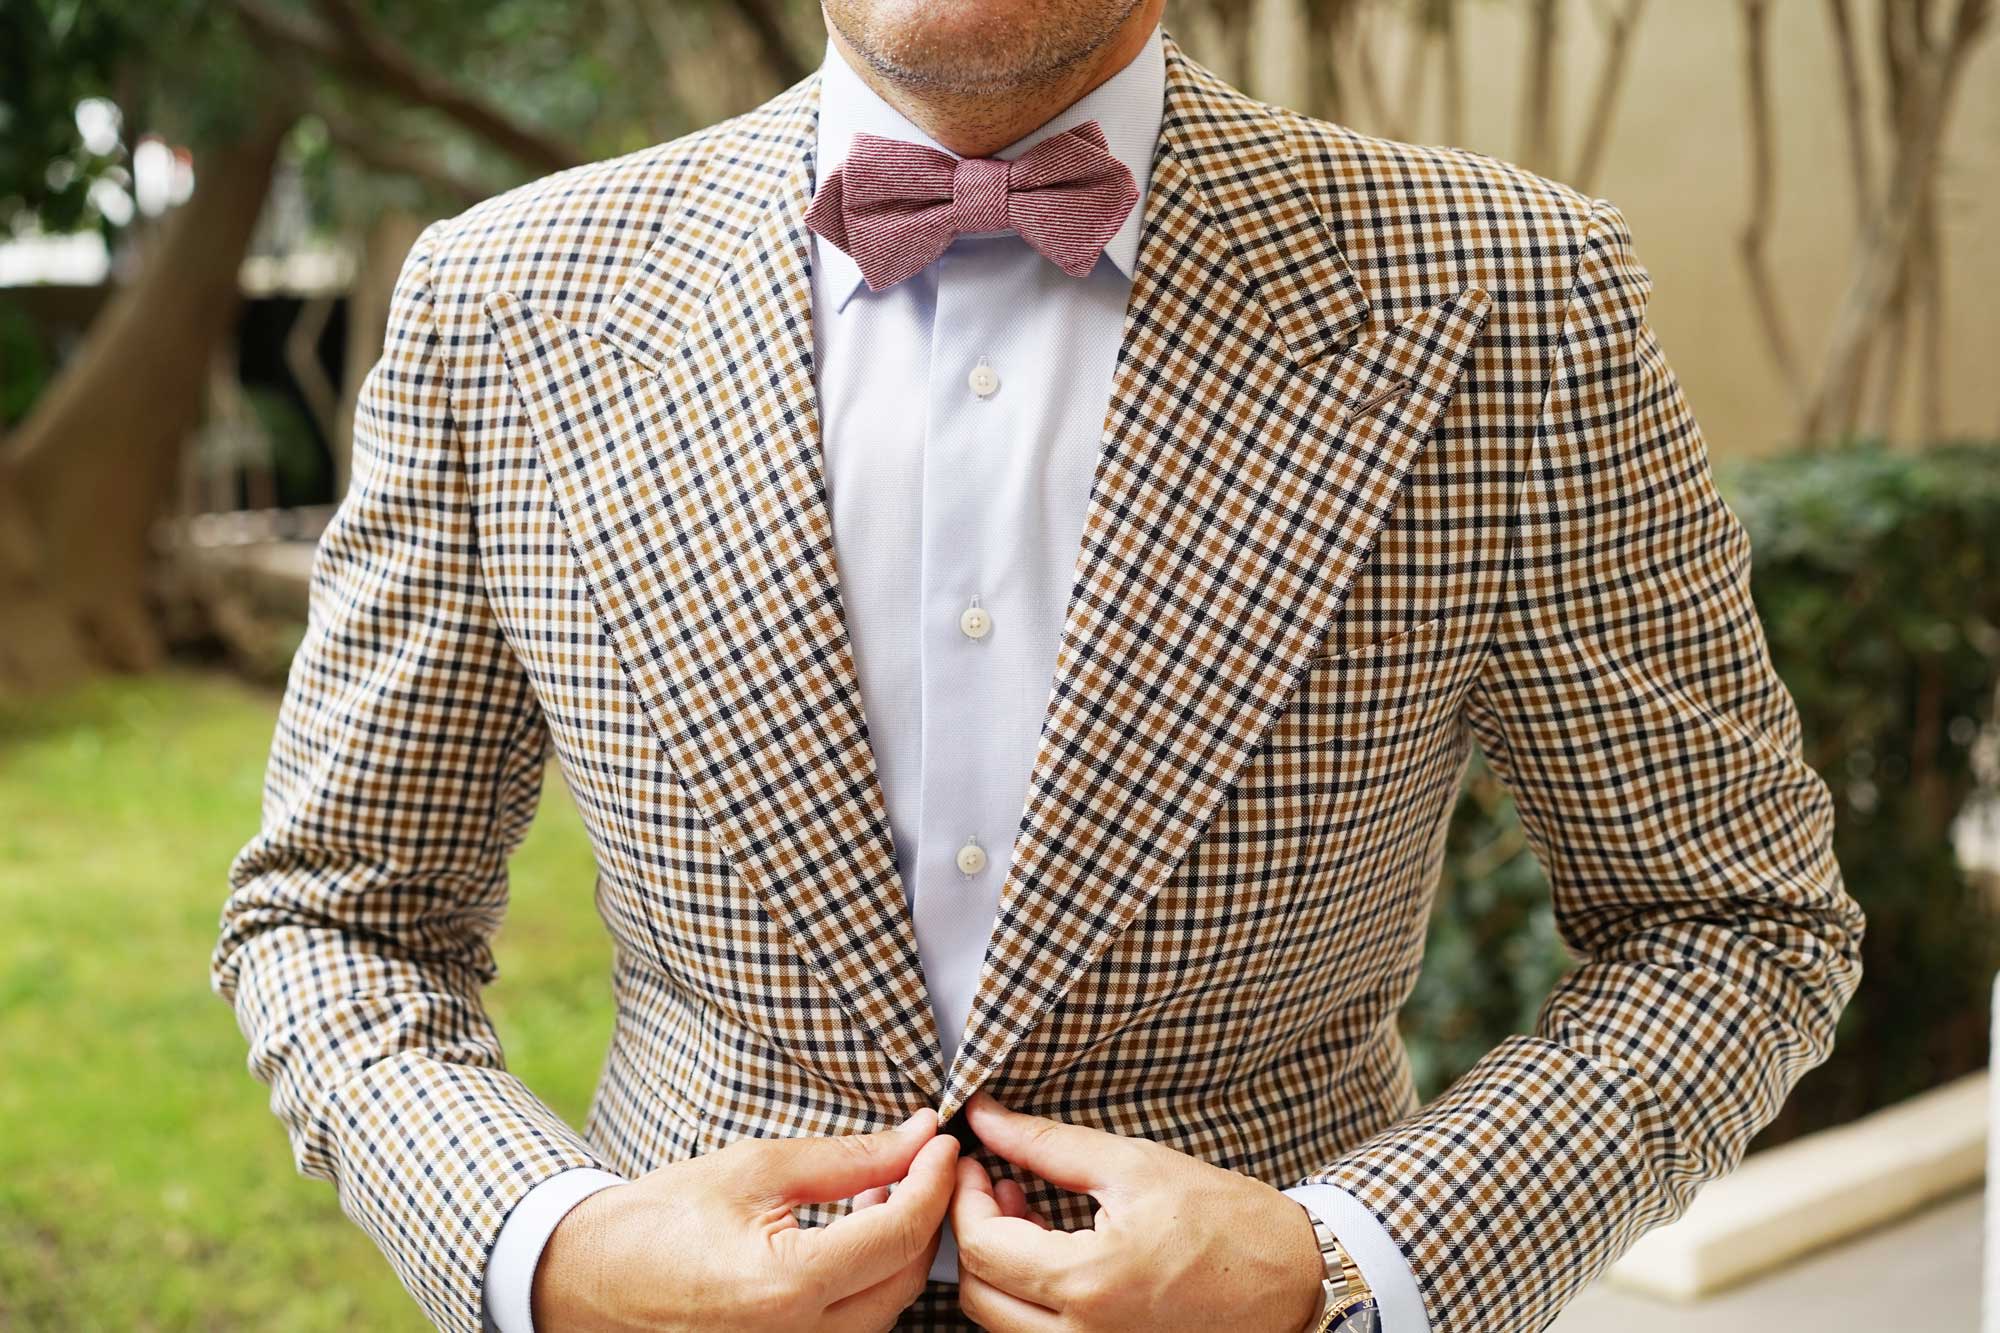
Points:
[[1343, 1286]]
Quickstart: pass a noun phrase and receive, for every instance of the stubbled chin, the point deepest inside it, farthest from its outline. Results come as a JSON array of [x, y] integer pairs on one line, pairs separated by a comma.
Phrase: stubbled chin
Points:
[[971, 47]]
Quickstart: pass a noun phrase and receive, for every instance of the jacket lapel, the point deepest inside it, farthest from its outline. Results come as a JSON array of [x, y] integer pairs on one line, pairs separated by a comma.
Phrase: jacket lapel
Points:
[[683, 446], [1248, 458]]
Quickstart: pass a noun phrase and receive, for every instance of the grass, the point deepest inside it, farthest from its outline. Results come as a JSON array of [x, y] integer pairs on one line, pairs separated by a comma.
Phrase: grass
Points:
[[144, 1183]]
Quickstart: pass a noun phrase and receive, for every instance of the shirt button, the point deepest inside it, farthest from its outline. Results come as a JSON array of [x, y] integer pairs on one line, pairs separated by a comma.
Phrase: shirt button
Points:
[[971, 858], [974, 621], [983, 380]]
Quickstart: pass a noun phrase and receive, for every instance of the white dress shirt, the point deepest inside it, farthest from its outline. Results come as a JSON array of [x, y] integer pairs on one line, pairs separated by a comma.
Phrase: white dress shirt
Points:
[[960, 414]]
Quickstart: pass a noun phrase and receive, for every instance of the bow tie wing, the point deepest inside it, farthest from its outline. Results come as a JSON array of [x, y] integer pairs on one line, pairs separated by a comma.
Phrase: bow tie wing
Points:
[[895, 206], [1068, 195], [889, 206]]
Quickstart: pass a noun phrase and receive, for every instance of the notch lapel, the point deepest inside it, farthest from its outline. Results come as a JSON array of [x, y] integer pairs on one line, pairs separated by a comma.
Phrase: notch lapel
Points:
[[682, 444], [1246, 462]]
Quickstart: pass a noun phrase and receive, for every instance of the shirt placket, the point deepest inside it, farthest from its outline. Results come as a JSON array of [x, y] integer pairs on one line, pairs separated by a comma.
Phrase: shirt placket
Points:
[[969, 808]]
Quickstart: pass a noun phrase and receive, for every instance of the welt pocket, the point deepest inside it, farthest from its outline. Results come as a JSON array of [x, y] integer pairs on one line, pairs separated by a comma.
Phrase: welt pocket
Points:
[[1361, 698], [1410, 636]]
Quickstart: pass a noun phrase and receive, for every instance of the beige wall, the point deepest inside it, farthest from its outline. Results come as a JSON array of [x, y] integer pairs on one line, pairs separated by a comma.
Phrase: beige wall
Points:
[[1677, 167]]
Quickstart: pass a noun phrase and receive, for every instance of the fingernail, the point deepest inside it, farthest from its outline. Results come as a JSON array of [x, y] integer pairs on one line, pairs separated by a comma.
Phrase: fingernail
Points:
[[915, 1116]]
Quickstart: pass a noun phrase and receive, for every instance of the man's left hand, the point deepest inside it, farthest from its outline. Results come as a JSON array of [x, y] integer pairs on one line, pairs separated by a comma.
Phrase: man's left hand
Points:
[[1176, 1243]]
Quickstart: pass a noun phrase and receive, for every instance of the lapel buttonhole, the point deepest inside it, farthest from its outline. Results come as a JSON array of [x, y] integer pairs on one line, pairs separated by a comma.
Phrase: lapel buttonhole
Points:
[[1396, 390]]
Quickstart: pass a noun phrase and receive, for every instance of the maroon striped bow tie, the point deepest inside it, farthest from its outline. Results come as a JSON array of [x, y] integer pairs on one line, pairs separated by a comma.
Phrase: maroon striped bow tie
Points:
[[894, 205]]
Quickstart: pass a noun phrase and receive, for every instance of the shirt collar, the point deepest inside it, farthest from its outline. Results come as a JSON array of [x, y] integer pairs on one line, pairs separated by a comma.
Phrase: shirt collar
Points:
[[1128, 105]]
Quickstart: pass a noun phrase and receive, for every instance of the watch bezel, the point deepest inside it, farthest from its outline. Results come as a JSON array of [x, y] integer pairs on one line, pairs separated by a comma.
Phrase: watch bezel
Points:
[[1338, 1317]]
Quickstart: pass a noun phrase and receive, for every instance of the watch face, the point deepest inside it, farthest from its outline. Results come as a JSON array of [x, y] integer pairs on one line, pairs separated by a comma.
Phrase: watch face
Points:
[[1364, 1316]]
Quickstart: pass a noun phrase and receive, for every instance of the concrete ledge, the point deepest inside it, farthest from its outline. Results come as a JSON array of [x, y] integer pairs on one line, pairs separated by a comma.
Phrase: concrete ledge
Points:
[[1815, 1191], [275, 576]]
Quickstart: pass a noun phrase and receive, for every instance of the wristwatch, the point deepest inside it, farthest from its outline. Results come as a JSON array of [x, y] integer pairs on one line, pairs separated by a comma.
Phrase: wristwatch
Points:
[[1346, 1304]]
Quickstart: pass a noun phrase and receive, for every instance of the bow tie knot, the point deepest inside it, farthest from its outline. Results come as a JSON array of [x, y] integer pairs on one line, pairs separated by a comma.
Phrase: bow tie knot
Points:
[[894, 205], [979, 193]]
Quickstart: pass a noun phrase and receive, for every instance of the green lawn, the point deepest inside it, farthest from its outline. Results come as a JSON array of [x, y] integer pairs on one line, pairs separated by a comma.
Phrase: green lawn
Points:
[[143, 1182]]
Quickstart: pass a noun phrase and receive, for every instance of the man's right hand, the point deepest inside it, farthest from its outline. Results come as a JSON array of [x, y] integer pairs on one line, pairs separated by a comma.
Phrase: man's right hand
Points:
[[711, 1242]]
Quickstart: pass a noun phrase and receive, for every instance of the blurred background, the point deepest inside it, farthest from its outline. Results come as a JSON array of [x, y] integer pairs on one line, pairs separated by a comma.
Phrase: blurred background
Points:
[[204, 204]]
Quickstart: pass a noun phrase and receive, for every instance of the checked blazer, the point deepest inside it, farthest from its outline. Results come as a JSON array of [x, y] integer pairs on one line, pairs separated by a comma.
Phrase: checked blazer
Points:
[[1392, 463]]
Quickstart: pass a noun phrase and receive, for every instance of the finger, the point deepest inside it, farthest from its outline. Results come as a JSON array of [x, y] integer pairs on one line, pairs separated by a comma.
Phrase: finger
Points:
[[1003, 1312], [973, 1198], [871, 1196], [796, 1171], [1012, 1253], [1073, 1157], [858, 1250], [1013, 1202], [875, 1308]]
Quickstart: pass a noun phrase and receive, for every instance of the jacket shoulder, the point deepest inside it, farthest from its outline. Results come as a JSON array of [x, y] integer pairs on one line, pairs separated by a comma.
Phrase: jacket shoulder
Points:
[[1418, 223], [566, 241]]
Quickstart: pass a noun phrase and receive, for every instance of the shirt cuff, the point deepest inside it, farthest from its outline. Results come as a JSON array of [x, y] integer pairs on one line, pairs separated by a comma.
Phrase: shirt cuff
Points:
[[1374, 1252], [510, 1269]]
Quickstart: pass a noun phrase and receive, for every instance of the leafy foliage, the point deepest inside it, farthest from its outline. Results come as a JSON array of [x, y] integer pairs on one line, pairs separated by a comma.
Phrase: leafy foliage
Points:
[[24, 364], [600, 77], [53, 56], [1877, 575], [1493, 952]]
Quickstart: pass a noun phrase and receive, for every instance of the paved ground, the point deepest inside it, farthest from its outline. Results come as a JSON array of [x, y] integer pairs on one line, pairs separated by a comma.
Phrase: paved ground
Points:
[[1917, 1276]]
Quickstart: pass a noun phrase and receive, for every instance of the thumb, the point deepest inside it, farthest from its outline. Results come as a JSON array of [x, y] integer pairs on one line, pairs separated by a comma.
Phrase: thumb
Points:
[[825, 1169], [1072, 1157]]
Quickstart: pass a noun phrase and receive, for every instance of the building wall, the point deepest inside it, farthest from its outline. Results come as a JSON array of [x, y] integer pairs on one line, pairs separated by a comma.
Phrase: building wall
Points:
[[1677, 166]]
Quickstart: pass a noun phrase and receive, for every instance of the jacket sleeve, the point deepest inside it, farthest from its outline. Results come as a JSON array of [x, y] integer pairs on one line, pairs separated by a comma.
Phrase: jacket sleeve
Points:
[[406, 766], [1630, 704]]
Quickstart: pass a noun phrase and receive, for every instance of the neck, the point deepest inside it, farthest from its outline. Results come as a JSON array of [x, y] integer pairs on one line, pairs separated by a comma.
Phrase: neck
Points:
[[978, 124]]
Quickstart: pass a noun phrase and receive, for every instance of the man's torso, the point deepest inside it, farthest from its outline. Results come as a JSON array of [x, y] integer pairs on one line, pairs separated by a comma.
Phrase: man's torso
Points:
[[1323, 402]]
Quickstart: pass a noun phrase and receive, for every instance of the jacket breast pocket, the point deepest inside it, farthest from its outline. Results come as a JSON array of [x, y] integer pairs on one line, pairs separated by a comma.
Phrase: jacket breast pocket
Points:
[[1381, 644], [1373, 697]]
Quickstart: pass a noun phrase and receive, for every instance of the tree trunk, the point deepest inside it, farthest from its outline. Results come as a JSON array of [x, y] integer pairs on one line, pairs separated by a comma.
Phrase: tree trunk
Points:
[[85, 476], [386, 246], [1323, 85], [1539, 87], [1923, 84]]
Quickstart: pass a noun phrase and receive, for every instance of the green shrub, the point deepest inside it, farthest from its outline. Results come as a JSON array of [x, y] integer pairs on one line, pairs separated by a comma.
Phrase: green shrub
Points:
[[1877, 575], [24, 364]]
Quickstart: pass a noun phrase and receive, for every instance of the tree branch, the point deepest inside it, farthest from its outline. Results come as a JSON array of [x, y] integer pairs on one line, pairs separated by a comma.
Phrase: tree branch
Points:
[[1763, 173], [1366, 76], [1538, 87], [667, 108], [394, 158], [1424, 30], [1326, 27], [1453, 46], [1855, 109], [1928, 295], [359, 51], [767, 24], [1929, 72], [1604, 100]]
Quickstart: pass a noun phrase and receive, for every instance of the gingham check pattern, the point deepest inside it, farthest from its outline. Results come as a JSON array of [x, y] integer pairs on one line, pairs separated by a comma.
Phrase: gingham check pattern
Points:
[[1392, 460], [894, 206]]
